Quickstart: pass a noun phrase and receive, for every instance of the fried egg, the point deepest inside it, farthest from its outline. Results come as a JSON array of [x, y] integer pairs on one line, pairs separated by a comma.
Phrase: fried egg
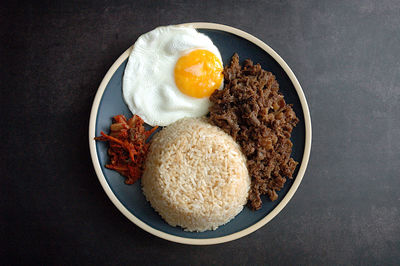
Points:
[[170, 74]]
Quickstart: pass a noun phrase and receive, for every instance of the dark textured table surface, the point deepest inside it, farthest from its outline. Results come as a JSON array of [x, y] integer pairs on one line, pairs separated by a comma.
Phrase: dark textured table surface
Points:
[[346, 55]]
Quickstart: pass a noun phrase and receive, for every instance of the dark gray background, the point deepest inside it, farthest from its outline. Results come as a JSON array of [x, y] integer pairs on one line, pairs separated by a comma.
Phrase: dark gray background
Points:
[[346, 55]]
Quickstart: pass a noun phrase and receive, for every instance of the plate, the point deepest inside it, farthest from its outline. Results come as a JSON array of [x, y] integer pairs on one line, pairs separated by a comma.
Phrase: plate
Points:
[[130, 200]]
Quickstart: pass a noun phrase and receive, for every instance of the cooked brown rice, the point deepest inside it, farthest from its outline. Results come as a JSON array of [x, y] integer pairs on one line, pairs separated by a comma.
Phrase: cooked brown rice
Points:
[[195, 175]]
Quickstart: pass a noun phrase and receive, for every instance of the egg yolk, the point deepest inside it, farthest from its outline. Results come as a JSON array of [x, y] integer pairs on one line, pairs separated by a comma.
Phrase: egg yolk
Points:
[[198, 74]]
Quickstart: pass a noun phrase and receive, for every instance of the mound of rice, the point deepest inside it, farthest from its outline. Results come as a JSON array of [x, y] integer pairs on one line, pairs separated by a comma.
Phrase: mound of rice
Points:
[[195, 175]]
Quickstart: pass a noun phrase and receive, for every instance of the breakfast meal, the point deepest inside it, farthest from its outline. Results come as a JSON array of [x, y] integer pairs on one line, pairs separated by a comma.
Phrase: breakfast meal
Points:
[[250, 109], [225, 136], [195, 175]]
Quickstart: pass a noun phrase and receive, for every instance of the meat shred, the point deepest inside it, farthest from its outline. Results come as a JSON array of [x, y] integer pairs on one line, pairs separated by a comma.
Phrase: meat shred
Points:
[[255, 114]]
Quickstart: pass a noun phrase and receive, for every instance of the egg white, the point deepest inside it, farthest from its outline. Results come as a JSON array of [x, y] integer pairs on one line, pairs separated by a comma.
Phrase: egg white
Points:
[[149, 87]]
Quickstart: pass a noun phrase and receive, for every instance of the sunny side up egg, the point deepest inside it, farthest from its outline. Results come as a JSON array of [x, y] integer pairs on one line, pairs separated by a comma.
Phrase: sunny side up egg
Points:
[[170, 74]]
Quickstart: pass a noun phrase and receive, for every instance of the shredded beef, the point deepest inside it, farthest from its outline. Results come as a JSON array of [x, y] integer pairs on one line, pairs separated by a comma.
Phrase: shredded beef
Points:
[[255, 114]]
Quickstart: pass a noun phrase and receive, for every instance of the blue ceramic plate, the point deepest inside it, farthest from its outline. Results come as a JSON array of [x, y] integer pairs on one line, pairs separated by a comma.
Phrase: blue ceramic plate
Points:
[[130, 200]]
